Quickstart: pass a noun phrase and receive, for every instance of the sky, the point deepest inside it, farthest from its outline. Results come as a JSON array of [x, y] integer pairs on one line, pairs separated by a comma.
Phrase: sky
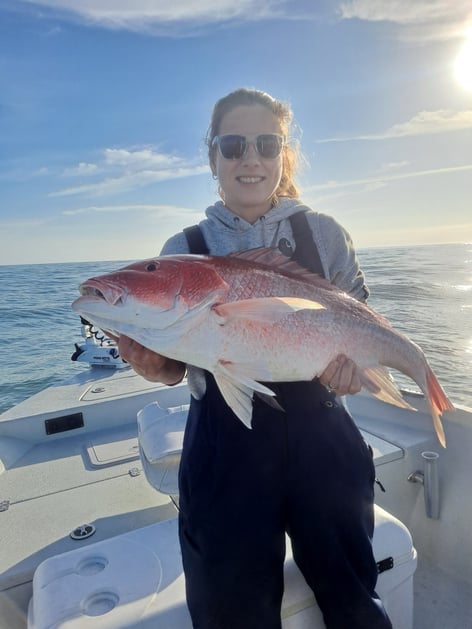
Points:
[[104, 107]]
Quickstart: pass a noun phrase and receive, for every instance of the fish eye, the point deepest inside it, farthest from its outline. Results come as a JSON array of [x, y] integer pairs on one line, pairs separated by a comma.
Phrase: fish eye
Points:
[[152, 266]]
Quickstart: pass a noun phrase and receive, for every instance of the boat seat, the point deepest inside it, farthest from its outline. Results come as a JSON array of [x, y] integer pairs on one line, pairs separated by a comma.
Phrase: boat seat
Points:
[[160, 438], [136, 580]]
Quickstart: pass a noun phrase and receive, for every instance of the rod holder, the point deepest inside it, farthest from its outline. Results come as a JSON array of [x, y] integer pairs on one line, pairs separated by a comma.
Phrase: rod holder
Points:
[[429, 478]]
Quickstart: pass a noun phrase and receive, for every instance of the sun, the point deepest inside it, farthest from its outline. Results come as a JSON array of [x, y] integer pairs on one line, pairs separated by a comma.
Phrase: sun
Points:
[[463, 63]]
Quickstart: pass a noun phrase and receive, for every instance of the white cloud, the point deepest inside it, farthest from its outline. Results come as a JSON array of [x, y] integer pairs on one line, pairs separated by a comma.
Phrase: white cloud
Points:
[[404, 11], [143, 15], [21, 174], [394, 165], [41, 172], [423, 123], [164, 210], [140, 158], [120, 170], [130, 181], [422, 20], [57, 30], [430, 122], [22, 224], [82, 169], [375, 182]]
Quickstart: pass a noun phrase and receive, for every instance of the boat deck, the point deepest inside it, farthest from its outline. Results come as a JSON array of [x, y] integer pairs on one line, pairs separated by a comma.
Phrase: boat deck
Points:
[[52, 484]]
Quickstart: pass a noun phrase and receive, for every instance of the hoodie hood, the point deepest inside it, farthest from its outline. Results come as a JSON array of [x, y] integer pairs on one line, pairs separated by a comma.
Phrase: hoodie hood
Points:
[[223, 217], [226, 232]]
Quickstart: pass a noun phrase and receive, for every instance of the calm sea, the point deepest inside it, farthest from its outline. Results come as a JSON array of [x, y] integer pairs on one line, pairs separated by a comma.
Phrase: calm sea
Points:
[[425, 291]]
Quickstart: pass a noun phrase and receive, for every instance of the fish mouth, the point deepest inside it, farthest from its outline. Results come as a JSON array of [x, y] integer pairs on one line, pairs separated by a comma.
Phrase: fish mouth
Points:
[[101, 291]]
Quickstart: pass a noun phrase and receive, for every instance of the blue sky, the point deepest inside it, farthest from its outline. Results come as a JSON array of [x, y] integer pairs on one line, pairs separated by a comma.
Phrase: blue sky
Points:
[[103, 112]]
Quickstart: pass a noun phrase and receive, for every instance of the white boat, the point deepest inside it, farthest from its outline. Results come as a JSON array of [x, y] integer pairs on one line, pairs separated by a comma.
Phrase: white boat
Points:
[[88, 510]]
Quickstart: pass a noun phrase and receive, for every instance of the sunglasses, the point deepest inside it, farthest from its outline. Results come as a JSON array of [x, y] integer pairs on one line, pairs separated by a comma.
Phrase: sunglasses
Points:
[[267, 145]]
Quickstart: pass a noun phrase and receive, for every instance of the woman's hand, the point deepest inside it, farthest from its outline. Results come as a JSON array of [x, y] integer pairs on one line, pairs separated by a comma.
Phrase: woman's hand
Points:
[[149, 364], [341, 376]]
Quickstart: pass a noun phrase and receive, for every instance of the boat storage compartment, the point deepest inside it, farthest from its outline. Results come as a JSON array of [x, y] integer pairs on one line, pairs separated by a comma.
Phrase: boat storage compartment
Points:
[[136, 580]]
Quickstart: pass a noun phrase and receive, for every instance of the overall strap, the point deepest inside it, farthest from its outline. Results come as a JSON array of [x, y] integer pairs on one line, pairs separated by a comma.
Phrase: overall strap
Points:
[[196, 241], [306, 251]]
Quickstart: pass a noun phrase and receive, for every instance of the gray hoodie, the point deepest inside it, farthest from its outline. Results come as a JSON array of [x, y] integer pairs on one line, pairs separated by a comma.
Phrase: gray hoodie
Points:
[[224, 233]]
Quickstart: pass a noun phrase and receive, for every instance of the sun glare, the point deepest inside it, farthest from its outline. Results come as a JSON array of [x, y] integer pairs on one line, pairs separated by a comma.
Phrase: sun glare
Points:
[[463, 63]]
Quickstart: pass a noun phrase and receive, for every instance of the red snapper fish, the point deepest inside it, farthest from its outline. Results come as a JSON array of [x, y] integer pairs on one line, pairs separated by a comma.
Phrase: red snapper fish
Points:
[[255, 317]]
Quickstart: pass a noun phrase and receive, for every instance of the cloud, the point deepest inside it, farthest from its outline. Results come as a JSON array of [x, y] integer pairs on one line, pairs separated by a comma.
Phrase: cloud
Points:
[[404, 11], [140, 158], [422, 20], [423, 123], [43, 171], [145, 16], [82, 169], [19, 173], [120, 170], [52, 32], [22, 224], [379, 180], [394, 165], [130, 181], [163, 210]]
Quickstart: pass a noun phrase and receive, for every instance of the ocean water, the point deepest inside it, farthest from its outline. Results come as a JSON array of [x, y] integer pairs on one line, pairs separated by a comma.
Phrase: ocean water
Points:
[[425, 292]]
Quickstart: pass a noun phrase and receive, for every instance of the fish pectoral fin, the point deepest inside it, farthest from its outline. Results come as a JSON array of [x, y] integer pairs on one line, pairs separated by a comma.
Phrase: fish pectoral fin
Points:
[[271, 401], [265, 309], [380, 383], [238, 390]]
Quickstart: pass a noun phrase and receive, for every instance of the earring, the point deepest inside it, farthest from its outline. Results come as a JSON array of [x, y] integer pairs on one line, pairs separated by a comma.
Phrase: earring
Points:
[[214, 176]]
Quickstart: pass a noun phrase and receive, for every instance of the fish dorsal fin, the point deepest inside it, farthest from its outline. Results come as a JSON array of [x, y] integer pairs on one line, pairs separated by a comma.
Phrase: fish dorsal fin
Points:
[[271, 257], [276, 261]]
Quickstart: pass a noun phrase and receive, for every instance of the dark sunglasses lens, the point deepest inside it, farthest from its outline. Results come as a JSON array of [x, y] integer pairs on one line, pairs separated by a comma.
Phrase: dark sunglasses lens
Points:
[[232, 146], [269, 145]]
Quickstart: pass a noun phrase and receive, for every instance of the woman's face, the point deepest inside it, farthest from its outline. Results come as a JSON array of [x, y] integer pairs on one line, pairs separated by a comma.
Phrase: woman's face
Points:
[[249, 183]]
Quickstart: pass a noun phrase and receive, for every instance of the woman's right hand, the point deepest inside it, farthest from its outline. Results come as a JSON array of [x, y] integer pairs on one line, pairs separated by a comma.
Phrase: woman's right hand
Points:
[[148, 364]]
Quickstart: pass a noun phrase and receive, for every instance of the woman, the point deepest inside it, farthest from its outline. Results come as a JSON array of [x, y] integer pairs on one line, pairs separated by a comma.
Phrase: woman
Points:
[[305, 469]]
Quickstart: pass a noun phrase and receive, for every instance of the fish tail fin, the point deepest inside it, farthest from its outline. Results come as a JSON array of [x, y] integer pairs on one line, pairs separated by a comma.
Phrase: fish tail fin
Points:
[[438, 402]]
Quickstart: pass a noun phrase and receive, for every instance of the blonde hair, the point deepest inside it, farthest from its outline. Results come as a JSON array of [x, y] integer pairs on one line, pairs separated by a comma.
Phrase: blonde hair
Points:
[[283, 114]]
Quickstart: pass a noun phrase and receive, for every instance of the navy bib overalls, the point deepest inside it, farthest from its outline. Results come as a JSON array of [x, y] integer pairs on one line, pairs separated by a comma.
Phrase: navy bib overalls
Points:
[[304, 470]]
